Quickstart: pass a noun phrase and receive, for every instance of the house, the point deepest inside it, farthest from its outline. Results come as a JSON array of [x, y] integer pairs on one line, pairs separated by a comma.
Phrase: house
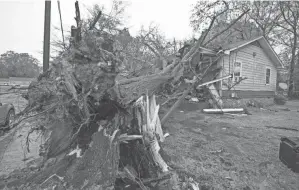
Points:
[[253, 65]]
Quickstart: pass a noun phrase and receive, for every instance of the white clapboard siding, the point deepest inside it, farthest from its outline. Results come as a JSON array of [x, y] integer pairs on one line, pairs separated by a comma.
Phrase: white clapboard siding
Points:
[[252, 68]]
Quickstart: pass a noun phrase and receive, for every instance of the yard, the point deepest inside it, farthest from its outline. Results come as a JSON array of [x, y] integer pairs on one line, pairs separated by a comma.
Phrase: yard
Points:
[[233, 152], [219, 151], [16, 99]]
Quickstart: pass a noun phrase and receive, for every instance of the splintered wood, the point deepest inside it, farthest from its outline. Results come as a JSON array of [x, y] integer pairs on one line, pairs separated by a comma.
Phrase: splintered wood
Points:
[[217, 101], [152, 130]]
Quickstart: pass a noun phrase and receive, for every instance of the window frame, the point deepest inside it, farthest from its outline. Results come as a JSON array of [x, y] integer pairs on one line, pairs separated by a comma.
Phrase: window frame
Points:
[[269, 76], [241, 68]]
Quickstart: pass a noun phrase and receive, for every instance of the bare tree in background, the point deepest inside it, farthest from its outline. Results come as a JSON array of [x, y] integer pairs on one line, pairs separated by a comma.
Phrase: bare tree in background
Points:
[[289, 22]]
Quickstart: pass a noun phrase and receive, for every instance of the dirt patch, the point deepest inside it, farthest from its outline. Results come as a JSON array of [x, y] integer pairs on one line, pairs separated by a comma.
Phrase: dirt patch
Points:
[[16, 99], [13, 150], [188, 106], [233, 152]]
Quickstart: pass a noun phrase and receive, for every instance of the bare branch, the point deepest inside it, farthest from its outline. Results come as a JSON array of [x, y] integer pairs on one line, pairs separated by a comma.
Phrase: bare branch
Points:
[[234, 22], [237, 83], [284, 16], [281, 26], [152, 49], [95, 20], [212, 22], [208, 30]]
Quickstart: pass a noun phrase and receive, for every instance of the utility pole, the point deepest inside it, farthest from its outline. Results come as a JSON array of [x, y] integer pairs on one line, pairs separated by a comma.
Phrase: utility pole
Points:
[[47, 29]]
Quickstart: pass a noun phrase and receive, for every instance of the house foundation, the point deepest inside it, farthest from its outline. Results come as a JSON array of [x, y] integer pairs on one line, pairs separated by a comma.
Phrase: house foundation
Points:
[[247, 102]]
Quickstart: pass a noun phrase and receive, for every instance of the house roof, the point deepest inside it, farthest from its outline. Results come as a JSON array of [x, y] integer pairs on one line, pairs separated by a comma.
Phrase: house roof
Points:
[[264, 44], [236, 45]]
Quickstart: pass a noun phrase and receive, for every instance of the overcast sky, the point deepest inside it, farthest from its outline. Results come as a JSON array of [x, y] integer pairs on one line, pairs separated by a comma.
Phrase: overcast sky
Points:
[[22, 22]]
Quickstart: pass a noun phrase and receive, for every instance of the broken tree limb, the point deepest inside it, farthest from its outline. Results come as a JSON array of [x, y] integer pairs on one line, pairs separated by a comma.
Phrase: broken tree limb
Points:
[[130, 91], [148, 119], [234, 22], [132, 175], [187, 81], [155, 116], [176, 96], [203, 37], [155, 120], [215, 96], [185, 93], [95, 20], [229, 88], [213, 81], [159, 130], [152, 142], [175, 105], [205, 34], [152, 107], [149, 136], [125, 137], [78, 21], [152, 49], [52, 176], [78, 17], [161, 178]]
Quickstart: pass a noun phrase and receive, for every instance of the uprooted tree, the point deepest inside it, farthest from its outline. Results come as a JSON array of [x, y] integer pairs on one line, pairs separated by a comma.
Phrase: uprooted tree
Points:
[[104, 132]]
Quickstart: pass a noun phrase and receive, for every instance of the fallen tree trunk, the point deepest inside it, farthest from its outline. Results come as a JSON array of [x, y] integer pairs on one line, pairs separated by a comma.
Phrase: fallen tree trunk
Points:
[[111, 151], [85, 110], [99, 132]]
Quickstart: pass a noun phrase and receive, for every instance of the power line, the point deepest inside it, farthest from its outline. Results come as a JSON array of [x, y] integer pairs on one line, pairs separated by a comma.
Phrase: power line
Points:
[[58, 3]]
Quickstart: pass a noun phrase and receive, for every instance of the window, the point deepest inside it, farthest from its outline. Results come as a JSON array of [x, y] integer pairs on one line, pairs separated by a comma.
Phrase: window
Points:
[[237, 71], [268, 72]]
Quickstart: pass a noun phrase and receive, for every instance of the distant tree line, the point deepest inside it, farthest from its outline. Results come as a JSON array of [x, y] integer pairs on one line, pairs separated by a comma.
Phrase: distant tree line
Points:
[[14, 64]]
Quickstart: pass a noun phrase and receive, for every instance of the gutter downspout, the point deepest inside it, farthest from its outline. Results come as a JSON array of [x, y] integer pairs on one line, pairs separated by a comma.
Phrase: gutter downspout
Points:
[[254, 68]]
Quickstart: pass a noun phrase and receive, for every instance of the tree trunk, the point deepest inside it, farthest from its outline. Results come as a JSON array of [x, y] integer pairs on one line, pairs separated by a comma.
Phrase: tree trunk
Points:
[[292, 66], [98, 129]]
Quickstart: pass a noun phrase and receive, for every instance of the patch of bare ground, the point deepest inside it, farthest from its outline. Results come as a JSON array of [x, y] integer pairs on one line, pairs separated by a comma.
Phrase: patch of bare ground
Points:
[[16, 99], [233, 152], [13, 150], [15, 158]]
